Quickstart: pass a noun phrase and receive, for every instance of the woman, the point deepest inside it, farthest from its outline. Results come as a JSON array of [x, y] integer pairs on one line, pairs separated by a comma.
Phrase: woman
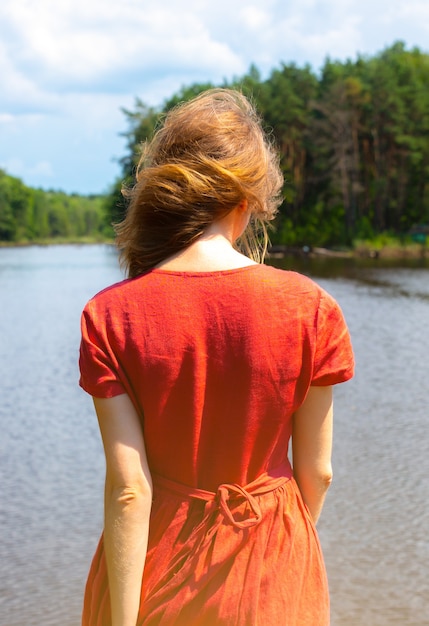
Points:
[[202, 365]]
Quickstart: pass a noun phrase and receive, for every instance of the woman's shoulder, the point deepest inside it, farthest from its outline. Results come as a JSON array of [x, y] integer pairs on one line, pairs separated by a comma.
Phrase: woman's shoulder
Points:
[[111, 294], [298, 290], [291, 280]]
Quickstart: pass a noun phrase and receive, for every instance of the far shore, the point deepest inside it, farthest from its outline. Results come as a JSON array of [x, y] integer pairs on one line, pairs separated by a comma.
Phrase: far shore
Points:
[[391, 251], [360, 251]]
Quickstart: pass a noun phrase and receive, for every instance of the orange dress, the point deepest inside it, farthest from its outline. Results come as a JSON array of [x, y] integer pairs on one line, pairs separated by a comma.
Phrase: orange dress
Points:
[[216, 364]]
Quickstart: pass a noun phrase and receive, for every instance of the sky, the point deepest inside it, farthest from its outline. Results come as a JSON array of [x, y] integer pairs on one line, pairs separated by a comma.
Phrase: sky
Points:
[[68, 67]]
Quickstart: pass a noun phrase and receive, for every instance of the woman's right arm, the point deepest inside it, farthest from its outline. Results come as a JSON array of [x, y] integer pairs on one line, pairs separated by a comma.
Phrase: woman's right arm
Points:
[[128, 500], [312, 447]]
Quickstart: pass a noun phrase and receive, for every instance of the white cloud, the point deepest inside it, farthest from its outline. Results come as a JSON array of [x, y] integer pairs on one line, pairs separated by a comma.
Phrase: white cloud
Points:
[[416, 10], [68, 66], [20, 91], [54, 47], [22, 169], [255, 18], [91, 45], [6, 118], [341, 41]]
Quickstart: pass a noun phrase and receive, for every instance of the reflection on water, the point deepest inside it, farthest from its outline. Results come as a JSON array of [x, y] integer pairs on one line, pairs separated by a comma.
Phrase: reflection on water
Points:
[[373, 528], [408, 278]]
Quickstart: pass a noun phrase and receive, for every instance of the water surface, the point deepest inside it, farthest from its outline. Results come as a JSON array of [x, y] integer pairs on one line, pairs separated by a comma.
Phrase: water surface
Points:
[[374, 525]]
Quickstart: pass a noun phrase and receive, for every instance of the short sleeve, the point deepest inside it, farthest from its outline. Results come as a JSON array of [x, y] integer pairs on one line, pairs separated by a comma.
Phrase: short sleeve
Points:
[[334, 360], [99, 370]]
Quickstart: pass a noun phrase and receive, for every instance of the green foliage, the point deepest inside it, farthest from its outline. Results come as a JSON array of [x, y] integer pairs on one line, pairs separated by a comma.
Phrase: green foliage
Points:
[[353, 144], [32, 214]]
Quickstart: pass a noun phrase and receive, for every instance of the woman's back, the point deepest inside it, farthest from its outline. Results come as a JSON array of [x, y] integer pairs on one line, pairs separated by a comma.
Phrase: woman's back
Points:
[[217, 363]]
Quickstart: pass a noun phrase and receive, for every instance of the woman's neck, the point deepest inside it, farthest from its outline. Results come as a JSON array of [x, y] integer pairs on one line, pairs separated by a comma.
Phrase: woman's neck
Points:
[[208, 254], [214, 250]]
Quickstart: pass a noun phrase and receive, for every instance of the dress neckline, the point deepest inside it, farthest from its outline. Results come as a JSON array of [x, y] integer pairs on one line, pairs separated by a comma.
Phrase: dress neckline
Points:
[[195, 273]]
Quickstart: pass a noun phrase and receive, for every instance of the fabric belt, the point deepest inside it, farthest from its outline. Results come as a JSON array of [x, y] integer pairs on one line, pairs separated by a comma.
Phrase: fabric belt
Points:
[[231, 494]]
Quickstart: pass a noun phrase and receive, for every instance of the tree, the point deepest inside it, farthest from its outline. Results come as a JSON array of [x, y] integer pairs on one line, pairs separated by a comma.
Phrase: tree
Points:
[[8, 225]]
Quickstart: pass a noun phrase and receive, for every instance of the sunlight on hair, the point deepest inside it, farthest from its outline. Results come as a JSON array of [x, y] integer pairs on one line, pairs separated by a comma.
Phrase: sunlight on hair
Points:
[[207, 156]]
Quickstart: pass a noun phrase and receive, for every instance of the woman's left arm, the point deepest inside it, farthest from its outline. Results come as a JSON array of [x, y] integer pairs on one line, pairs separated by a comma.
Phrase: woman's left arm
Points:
[[127, 504]]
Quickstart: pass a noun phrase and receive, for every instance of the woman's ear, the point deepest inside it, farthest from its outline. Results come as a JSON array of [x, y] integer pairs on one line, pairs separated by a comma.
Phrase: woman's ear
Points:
[[243, 205]]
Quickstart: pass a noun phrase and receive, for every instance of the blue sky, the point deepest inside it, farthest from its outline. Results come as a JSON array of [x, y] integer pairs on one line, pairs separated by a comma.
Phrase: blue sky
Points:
[[68, 66]]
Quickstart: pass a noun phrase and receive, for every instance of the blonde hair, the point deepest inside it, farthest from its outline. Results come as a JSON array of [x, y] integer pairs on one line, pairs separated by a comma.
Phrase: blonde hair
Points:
[[209, 155]]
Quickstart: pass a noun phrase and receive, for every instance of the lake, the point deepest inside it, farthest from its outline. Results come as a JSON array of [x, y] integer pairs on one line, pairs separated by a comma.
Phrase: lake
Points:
[[374, 527]]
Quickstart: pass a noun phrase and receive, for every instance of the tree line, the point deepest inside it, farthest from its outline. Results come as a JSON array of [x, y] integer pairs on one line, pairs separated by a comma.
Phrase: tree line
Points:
[[28, 214], [353, 142]]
